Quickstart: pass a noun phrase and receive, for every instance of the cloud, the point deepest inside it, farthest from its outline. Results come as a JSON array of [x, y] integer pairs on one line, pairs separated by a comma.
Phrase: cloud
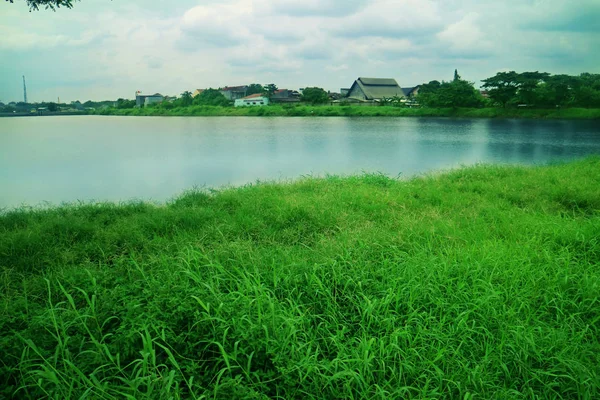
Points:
[[391, 18], [564, 16], [321, 8], [465, 39], [109, 50]]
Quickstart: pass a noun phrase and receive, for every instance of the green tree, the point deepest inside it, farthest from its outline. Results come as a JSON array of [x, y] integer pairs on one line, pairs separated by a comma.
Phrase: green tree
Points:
[[456, 75], [430, 87], [186, 99], [124, 103], [502, 88], [586, 90], [459, 93], [254, 88], [52, 107], [48, 4], [315, 95], [211, 97], [269, 89], [527, 83]]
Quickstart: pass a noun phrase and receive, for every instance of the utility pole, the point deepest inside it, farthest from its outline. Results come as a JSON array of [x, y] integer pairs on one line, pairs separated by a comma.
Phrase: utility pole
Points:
[[24, 90]]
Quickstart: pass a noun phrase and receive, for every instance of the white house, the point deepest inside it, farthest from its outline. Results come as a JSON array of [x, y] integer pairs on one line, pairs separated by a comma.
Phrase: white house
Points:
[[252, 100]]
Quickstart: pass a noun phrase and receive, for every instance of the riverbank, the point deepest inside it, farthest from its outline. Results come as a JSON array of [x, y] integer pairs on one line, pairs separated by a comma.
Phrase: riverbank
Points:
[[357, 111], [477, 283]]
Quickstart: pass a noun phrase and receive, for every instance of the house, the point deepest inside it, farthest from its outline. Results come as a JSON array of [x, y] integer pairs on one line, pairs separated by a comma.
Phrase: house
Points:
[[374, 89], [411, 91], [234, 92], [344, 92], [144, 100], [197, 92], [285, 96], [256, 99]]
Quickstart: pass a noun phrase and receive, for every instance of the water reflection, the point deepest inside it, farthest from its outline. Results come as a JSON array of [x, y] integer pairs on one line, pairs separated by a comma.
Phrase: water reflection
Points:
[[118, 158]]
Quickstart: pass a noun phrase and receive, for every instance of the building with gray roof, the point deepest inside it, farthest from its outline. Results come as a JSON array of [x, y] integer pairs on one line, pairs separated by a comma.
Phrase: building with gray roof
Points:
[[375, 89]]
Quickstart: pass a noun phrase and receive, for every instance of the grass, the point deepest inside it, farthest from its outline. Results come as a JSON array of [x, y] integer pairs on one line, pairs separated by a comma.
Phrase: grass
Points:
[[479, 283], [357, 111]]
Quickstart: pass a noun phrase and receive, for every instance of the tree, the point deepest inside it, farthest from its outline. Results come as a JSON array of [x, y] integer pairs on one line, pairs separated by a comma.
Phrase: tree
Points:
[[502, 88], [586, 90], [186, 99], [211, 97], [52, 107], [458, 93], [48, 4], [254, 88], [430, 87], [269, 89], [456, 75], [124, 103], [315, 95], [527, 83]]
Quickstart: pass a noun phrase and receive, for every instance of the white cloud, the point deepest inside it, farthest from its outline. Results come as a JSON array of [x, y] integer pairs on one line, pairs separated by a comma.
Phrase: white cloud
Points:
[[109, 50]]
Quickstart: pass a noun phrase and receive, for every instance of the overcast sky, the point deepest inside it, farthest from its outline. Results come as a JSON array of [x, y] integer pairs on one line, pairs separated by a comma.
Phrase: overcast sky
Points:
[[105, 49]]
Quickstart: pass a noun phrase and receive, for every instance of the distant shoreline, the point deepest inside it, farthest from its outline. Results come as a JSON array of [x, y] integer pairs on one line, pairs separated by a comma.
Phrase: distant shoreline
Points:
[[340, 111]]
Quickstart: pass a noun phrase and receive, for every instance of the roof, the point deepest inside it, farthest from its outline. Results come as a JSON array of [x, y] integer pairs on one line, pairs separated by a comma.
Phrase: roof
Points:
[[378, 88], [409, 90], [234, 88], [253, 96], [378, 81]]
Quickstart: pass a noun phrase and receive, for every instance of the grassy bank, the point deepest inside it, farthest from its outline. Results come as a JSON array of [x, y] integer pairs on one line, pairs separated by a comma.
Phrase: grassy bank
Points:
[[481, 283], [356, 111]]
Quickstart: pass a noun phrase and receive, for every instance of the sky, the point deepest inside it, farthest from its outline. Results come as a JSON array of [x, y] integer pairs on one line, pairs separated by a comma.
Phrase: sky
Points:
[[105, 49]]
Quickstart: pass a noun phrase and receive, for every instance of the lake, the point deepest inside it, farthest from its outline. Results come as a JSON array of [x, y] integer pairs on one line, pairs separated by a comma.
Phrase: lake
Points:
[[66, 159]]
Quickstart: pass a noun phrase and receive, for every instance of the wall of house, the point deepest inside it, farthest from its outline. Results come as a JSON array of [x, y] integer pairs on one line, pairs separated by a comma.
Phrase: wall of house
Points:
[[139, 100], [356, 92], [153, 100], [253, 102], [233, 94]]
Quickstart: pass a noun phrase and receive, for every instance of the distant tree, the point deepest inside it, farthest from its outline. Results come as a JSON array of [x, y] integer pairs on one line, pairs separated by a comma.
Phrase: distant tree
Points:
[[527, 84], [269, 89], [52, 107], [124, 104], [586, 90], [48, 4], [430, 87], [503, 87], [459, 93], [315, 95], [456, 75], [186, 99], [254, 88], [211, 97]]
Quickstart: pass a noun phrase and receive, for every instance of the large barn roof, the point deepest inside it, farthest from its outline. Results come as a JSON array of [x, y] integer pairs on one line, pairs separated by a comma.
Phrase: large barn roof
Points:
[[378, 88]]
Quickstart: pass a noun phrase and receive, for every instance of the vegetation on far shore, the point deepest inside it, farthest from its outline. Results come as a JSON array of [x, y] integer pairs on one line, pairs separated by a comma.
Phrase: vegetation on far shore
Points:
[[357, 111], [479, 283]]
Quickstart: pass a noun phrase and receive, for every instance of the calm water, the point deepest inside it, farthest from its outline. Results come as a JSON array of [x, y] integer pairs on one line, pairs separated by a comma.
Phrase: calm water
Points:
[[58, 159]]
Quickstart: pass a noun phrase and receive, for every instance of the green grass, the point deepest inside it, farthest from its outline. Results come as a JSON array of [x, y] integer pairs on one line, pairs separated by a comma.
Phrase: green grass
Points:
[[358, 111], [479, 283]]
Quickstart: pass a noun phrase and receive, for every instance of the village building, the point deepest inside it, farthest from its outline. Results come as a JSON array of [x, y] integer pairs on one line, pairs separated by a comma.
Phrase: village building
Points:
[[256, 99], [197, 92], [411, 92], [374, 89], [285, 96], [234, 92], [144, 100]]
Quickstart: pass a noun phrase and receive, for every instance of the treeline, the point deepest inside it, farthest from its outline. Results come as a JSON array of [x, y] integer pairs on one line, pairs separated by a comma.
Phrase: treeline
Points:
[[513, 89], [542, 89], [21, 106]]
